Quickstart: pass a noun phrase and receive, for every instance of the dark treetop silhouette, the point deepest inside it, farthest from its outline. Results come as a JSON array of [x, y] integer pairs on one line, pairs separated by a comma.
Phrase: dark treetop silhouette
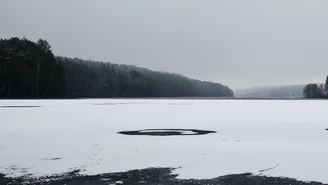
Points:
[[30, 70]]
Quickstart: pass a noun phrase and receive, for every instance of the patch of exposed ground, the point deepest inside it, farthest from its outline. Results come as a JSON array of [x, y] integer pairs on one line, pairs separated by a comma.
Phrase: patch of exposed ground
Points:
[[150, 176]]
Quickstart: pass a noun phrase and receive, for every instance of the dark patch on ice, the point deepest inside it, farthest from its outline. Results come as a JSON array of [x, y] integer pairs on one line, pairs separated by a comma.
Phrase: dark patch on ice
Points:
[[52, 159], [167, 132], [150, 176], [19, 106], [327, 129]]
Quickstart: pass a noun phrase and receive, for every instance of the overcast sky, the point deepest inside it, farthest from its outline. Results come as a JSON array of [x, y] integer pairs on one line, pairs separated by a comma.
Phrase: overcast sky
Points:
[[239, 43]]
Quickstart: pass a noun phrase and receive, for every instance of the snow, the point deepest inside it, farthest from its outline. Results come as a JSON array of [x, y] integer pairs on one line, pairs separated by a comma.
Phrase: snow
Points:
[[252, 135]]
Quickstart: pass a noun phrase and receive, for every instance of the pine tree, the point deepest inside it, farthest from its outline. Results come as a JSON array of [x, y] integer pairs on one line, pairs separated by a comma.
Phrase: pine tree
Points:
[[314, 91], [321, 91], [311, 91], [306, 91]]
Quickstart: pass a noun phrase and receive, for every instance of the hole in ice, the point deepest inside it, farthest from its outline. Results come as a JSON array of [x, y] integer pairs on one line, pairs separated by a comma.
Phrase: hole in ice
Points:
[[167, 132]]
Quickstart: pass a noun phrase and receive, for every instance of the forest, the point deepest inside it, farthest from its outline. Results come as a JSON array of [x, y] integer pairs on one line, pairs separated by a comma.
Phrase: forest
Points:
[[30, 70], [314, 90]]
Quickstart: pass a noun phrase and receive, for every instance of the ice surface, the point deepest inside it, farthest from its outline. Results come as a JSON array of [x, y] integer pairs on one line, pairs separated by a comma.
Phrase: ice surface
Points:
[[251, 136]]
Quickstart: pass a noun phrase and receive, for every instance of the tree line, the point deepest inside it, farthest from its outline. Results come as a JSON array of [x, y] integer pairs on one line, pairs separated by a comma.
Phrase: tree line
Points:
[[314, 90], [30, 70]]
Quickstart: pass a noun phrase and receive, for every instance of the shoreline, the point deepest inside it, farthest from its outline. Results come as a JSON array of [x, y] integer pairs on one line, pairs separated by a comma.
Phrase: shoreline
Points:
[[149, 176]]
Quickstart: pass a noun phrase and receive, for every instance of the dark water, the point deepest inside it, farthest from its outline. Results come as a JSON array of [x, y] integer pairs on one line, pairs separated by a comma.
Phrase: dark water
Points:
[[167, 132]]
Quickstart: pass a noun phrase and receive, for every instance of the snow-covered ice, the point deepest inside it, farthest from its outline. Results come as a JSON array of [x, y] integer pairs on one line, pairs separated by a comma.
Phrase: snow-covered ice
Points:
[[252, 135]]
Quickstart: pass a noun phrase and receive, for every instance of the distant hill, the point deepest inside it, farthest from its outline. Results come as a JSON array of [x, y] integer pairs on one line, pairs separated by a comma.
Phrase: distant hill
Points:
[[288, 91], [30, 70], [105, 79]]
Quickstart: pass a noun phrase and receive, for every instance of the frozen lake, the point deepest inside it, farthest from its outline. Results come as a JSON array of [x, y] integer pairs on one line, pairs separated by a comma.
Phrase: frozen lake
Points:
[[53, 136]]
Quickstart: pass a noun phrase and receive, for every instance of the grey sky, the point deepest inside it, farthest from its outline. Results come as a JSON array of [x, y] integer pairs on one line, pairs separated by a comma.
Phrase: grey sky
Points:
[[239, 43]]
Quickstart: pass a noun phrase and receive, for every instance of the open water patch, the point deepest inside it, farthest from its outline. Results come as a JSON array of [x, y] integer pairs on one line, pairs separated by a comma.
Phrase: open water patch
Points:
[[167, 132]]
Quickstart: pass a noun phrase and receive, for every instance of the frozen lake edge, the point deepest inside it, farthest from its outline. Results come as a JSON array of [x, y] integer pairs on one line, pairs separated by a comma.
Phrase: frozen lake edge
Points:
[[150, 176], [250, 136]]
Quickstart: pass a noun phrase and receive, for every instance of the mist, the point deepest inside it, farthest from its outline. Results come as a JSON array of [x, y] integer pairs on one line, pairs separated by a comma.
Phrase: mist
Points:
[[237, 43]]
